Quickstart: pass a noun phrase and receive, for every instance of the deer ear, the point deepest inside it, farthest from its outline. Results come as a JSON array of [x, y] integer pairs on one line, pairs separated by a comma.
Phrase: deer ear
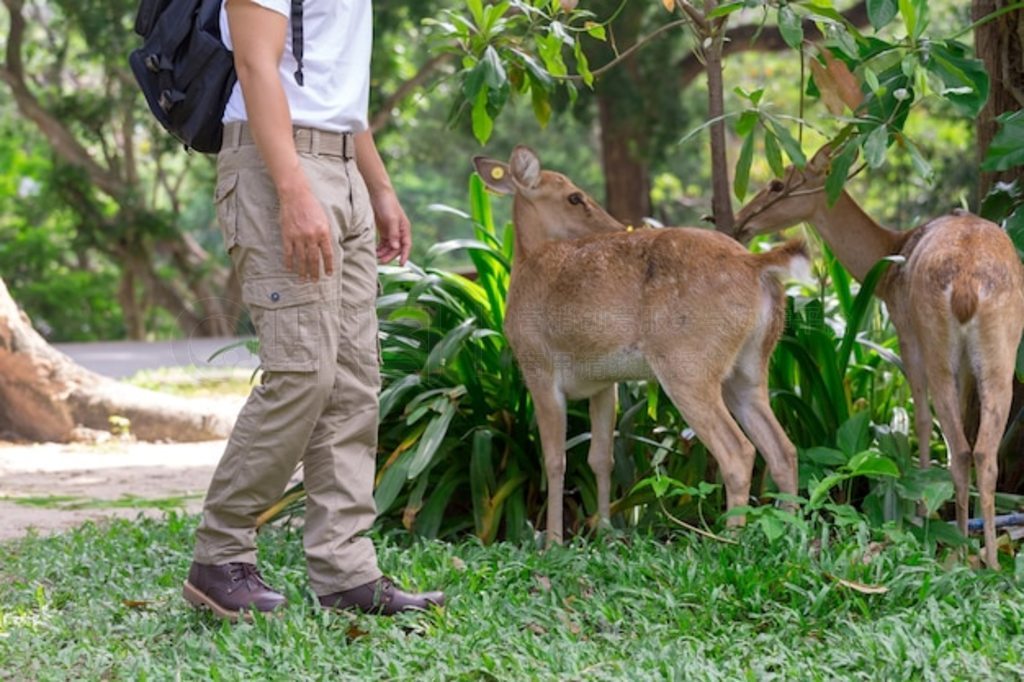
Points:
[[820, 161], [525, 166], [494, 174]]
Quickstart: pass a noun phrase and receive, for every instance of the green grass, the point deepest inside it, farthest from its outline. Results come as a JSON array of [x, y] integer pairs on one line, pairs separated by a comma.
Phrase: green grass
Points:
[[193, 382], [103, 602], [71, 502]]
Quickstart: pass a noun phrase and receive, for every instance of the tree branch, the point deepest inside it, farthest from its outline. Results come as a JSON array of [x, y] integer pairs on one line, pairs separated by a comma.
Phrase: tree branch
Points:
[[63, 142], [757, 37], [696, 16]]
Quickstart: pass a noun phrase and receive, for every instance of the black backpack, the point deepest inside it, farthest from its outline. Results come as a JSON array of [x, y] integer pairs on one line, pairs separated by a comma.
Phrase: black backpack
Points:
[[186, 72]]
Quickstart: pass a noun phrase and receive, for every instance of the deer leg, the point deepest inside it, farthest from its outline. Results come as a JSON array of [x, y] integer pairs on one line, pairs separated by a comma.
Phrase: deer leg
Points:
[[917, 377], [947, 406], [995, 392], [549, 406], [700, 403], [749, 403], [602, 430]]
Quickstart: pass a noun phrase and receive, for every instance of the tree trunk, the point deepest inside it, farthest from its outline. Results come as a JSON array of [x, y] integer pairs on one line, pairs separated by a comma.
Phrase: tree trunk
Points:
[[1000, 44], [627, 179], [45, 396]]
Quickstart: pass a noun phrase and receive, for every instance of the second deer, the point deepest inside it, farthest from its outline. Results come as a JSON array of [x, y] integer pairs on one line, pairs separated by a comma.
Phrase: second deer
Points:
[[957, 303], [591, 303]]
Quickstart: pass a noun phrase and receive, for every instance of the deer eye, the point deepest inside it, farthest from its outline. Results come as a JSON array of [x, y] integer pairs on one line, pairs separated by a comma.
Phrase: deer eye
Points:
[[777, 186], [576, 199]]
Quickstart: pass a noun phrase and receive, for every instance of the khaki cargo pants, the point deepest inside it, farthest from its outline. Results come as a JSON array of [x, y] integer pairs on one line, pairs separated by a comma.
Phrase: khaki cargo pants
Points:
[[317, 402]]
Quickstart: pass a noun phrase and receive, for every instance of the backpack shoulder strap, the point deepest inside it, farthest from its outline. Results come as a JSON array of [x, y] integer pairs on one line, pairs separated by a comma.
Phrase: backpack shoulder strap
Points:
[[297, 39]]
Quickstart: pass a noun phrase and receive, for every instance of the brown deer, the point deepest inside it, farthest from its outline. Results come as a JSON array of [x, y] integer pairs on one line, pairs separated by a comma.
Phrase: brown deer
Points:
[[591, 303], [957, 302]]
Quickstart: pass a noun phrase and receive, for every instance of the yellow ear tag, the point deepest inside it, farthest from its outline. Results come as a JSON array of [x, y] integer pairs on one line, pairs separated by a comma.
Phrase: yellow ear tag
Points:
[[629, 228], [497, 173]]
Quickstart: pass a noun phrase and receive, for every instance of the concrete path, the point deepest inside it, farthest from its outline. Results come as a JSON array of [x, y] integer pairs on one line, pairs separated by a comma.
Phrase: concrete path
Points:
[[51, 487], [122, 359]]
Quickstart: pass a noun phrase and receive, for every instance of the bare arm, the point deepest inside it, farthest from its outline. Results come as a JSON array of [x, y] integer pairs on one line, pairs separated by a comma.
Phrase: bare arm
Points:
[[259, 36], [392, 223]]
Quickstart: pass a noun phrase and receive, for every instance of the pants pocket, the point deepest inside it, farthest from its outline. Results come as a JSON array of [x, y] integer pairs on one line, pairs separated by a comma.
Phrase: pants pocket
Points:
[[287, 315], [225, 200]]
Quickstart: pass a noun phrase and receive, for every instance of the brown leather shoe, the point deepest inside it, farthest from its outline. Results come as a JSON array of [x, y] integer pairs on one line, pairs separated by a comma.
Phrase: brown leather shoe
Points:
[[230, 591], [381, 597]]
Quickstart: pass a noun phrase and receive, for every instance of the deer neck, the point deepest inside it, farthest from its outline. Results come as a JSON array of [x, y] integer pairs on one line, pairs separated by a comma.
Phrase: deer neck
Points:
[[854, 237], [529, 233]]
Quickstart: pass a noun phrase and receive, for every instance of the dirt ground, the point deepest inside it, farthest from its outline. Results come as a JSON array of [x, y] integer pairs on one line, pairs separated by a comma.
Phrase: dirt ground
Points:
[[52, 487]]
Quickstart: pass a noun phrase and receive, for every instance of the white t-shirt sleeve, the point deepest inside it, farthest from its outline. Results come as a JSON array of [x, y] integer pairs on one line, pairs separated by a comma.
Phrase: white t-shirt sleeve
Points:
[[280, 6]]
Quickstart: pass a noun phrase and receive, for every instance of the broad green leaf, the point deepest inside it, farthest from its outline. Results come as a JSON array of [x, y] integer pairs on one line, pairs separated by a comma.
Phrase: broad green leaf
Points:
[[494, 70], [1007, 147], [1014, 225], [595, 30], [861, 304], [742, 177], [939, 531], [915, 16], [875, 146], [726, 8], [431, 440], [872, 463], [773, 153], [445, 350], [395, 391], [965, 81], [1001, 200], [791, 27], [772, 527], [881, 12], [838, 170], [540, 99], [476, 9], [537, 72], [936, 494], [482, 481], [821, 490], [746, 122], [789, 143], [1020, 361], [391, 483], [855, 434], [871, 78], [582, 65], [826, 456], [483, 124], [923, 168]]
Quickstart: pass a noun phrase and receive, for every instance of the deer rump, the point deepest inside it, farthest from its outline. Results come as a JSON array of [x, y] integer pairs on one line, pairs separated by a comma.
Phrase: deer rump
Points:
[[637, 305]]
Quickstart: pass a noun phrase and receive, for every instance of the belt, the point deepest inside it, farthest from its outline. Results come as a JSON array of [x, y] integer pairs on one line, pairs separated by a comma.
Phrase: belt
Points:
[[307, 140]]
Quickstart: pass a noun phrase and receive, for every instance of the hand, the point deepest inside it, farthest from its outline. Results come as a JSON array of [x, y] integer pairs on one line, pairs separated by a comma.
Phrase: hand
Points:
[[306, 235], [392, 226]]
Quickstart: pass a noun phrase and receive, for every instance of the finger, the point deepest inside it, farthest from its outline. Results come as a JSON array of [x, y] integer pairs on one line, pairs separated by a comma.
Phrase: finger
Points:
[[406, 243], [299, 259], [313, 261], [327, 251]]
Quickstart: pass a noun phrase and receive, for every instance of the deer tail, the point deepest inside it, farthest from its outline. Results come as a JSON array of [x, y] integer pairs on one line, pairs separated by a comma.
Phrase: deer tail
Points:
[[963, 300], [789, 261]]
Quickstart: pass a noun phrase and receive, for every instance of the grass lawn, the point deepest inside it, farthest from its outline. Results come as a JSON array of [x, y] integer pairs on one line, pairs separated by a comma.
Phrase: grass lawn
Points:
[[103, 602]]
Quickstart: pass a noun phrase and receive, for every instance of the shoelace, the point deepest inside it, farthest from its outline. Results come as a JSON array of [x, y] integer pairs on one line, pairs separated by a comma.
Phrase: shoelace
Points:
[[248, 574]]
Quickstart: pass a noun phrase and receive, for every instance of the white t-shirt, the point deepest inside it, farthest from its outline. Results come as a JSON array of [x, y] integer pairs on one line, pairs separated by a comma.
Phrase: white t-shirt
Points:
[[337, 37]]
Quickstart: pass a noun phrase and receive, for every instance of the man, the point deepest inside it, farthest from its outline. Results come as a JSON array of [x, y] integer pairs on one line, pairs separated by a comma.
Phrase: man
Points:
[[300, 184]]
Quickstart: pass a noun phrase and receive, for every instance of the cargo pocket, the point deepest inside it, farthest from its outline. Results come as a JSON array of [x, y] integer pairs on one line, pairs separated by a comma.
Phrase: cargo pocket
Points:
[[287, 315], [225, 200]]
